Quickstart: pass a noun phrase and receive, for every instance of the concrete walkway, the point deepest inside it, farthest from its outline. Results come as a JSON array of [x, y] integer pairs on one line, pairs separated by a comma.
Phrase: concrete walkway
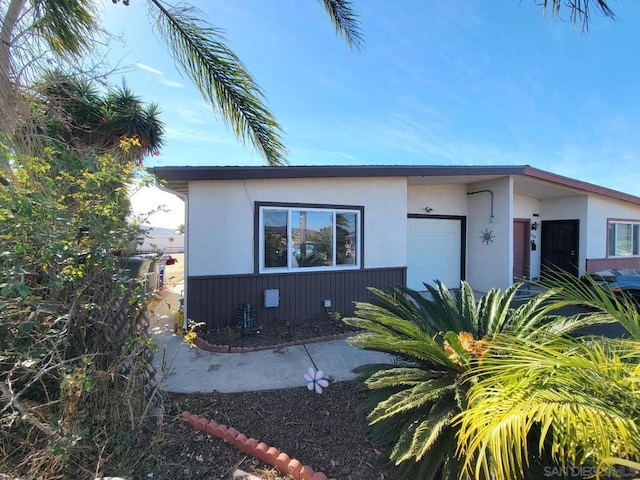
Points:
[[192, 370]]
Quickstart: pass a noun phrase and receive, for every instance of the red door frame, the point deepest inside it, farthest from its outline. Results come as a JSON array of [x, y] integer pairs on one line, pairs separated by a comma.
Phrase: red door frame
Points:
[[525, 268]]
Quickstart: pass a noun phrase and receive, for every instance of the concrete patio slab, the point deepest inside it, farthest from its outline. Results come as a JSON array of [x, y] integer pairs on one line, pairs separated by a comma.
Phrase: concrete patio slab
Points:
[[192, 370]]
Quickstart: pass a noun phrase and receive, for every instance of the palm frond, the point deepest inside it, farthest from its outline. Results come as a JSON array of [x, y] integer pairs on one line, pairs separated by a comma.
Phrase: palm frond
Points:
[[603, 304], [411, 398], [66, 25], [430, 354], [579, 396], [439, 463], [494, 310], [345, 21], [452, 312], [396, 303], [398, 376], [520, 394], [221, 78], [390, 326], [427, 434], [373, 399], [579, 10]]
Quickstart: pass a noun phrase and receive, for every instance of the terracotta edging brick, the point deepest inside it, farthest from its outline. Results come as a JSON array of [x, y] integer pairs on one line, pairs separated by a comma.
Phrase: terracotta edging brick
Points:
[[204, 345], [251, 446]]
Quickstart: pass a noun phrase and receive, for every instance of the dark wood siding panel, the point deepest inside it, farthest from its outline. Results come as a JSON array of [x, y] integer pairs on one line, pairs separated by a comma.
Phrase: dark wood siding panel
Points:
[[216, 300]]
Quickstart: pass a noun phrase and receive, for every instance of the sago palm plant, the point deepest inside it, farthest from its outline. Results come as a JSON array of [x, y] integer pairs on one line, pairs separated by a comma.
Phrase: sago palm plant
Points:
[[572, 400], [439, 337], [487, 390]]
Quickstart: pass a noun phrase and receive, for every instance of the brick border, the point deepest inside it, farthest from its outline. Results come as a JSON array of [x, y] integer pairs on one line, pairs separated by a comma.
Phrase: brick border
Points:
[[260, 450], [204, 345]]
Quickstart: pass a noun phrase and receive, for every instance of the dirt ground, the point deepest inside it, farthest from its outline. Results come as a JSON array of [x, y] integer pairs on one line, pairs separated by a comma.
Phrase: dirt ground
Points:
[[322, 431], [174, 274]]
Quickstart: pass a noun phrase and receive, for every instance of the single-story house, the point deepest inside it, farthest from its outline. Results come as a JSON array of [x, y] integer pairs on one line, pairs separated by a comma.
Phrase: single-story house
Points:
[[295, 242]]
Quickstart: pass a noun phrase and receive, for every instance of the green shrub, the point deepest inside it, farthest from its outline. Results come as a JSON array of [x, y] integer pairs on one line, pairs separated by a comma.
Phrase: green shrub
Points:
[[436, 405]]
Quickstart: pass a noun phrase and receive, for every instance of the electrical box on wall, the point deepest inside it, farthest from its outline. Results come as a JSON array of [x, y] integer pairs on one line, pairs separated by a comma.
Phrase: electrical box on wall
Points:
[[272, 298]]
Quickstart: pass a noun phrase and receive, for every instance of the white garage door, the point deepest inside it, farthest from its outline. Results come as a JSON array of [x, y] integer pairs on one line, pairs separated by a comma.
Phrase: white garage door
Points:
[[434, 252]]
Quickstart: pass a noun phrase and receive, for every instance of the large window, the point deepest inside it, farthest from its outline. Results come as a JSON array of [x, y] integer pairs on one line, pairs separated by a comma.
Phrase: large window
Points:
[[297, 238], [624, 239]]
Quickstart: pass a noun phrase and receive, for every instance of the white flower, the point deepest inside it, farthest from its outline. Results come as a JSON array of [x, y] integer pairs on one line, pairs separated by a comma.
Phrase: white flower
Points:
[[315, 380]]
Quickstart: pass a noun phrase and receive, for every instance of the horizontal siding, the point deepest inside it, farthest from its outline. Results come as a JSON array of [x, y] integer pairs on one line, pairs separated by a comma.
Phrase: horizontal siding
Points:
[[620, 263], [216, 300]]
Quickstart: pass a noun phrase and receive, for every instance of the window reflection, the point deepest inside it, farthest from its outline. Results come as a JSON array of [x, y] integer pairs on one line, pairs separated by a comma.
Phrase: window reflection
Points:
[[312, 234], [275, 238], [306, 238]]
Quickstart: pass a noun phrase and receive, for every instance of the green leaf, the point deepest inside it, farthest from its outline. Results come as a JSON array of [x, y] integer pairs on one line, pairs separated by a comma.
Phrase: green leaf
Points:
[[221, 78], [410, 398]]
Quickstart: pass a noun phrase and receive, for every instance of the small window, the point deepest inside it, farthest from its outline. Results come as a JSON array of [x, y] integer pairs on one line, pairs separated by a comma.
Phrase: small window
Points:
[[295, 238], [624, 239]]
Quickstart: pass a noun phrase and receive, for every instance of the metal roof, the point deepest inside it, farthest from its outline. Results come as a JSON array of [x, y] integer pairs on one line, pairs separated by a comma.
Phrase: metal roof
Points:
[[178, 178]]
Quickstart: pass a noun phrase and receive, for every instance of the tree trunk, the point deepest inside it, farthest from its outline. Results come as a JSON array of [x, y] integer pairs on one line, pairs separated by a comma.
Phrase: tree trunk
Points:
[[8, 88]]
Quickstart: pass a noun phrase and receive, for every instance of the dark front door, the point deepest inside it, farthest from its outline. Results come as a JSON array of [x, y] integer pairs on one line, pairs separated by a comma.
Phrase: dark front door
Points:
[[559, 245]]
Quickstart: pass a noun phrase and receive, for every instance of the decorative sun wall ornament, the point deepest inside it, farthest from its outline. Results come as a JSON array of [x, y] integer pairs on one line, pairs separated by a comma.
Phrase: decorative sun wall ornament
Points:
[[487, 236], [315, 380]]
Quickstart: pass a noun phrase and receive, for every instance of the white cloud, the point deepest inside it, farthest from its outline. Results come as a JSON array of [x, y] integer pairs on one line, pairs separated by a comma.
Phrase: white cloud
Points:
[[171, 83], [163, 80], [148, 68]]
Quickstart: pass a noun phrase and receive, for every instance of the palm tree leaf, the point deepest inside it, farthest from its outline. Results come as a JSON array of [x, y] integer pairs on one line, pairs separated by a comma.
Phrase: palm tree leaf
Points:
[[399, 376], [577, 394], [561, 325], [605, 305], [389, 325], [345, 21], [436, 465], [394, 303], [457, 313], [428, 432], [66, 25], [221, 78], [533, 313], [579, 10], [375, 397], [494, 309], [452, 468], [365, 371], [428, 353], [467, 308], [410, 398]]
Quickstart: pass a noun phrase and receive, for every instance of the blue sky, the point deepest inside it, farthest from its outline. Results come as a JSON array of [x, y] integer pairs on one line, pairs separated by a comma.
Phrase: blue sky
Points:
[[439, 82]]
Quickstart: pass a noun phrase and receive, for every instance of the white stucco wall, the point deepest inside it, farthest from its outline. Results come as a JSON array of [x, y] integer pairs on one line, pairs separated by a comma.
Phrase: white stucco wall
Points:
[[525, 207], [441, 199], [221, 218], [490, 265]]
